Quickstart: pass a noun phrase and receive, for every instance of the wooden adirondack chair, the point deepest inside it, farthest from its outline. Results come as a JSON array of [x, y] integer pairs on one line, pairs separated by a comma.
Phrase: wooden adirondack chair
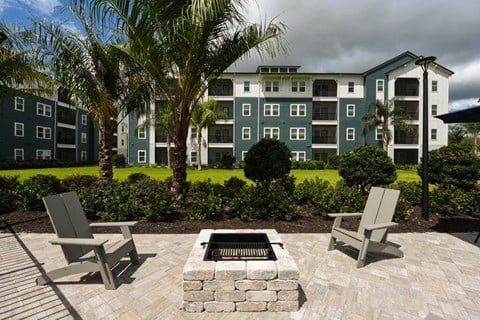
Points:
[[371, 235], [83, 253]]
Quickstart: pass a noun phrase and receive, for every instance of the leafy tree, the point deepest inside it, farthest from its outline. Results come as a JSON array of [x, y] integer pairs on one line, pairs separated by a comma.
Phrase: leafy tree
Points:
[[367, 165], [188, 43], [96, 74], [473, 128], [456, 133], [267, 160], [204, 116]]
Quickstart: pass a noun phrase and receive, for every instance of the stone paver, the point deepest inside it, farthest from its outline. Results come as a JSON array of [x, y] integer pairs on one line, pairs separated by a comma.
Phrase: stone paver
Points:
[[439, 275]]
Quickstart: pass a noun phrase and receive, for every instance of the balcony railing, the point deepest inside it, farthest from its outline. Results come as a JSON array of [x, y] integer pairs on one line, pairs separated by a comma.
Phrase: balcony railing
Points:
[[319, 115], [406, 92], [330, 139], [66, 117], [319, 92], [405, 138], [220, 139]]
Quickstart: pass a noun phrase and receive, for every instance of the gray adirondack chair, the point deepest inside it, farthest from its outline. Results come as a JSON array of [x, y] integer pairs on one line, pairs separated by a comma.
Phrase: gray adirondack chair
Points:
[[83, 253], [371, 235]]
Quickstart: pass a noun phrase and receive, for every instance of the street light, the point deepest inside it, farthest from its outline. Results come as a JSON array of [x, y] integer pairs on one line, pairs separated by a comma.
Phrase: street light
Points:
[[424, 63]]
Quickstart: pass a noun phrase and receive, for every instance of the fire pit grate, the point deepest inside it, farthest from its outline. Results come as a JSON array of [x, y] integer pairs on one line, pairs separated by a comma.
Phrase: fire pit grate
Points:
[[239, 246]]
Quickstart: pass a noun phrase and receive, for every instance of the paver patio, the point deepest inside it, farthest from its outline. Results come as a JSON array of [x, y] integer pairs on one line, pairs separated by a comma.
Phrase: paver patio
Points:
[[438, 276]]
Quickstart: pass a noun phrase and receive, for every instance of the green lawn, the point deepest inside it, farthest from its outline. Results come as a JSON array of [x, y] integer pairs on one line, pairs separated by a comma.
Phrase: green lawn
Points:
[[216, 175]]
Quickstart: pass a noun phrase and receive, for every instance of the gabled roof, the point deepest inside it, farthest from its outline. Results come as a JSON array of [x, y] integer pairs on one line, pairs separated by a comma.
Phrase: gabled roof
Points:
[[466, 115]]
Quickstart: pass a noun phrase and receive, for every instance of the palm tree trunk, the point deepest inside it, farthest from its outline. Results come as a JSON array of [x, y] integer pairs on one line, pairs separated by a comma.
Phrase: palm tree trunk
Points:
[[168, 151], [179, 179], [199, 148], [106, 144]]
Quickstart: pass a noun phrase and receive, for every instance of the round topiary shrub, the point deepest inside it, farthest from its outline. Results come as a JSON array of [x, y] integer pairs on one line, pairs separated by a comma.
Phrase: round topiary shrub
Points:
[[367, 165], [267, 160]]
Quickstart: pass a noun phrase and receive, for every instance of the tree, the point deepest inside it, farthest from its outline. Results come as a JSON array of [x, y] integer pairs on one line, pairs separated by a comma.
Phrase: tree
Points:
[[382, 115], [473, 128], [204, 116], [267, 160], [456, 133], [189, 42], [96, 74]]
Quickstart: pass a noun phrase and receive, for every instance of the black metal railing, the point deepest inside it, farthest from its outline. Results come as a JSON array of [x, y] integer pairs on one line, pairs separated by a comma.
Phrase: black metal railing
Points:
[[330, 139], [220, 138], [320, 115], [319, 92]]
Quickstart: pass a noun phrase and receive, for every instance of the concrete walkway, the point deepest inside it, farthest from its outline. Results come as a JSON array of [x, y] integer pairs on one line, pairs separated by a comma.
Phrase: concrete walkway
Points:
[[439, 278]]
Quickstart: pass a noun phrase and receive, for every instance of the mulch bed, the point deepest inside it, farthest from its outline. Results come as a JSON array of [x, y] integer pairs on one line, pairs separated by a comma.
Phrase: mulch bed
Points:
[[38, 222]]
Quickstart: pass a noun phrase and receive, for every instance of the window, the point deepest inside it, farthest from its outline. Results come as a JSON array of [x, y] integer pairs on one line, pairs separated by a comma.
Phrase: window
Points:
[[193, 133], [83, 155], [298, 110], [298, 86], [379, 134], [18, 154], [351, 86], [244, 154], [246, 86], [19, 129], [246, 108], [84, 120], [44, 154], [193, 156], [271, 110], [84, 137], [434, 85], [44, 109], [350, 134], [44, 133], [298, 155], [433, 134], [380, 84], [272, 86], [122, 142], [142, 132], [350, 110], [19, 105], [142, 156], [297, 133], [434, 109], [246, 133], [271, 133]]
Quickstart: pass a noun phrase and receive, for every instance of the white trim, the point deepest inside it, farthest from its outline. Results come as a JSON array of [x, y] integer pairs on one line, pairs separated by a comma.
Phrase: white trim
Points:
[[19, 101], [43, 154], [84, 119], [352, 115], [246, 85], [272, 84], [296, 110], [15, 154], [348, 131], [436, 110], [83, 138], [297, 85], [432, 131], [22, 125], [271, 132], [44, 110], [83, 155], [295, 133], [378, 133], [142, 133], [44, 134], [382, 82], [353, 86], [246, 131], [296, 155], [434, 85], [144, 156], [246, 107], [271, 107]]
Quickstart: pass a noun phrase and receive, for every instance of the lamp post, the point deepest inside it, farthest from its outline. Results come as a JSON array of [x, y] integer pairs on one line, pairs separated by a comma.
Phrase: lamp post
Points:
[[424, 63]]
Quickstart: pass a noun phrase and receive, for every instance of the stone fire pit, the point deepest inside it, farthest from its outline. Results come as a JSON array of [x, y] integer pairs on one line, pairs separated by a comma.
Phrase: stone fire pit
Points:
[[237, 285]]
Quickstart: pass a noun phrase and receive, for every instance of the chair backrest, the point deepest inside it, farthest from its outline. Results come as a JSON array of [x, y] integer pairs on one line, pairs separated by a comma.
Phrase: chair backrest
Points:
[[69, 221], [382, 210]]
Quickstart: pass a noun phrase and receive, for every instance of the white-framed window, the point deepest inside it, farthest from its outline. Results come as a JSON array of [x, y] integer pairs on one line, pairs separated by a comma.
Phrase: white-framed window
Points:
[[433, 134], [246, 86], [142, 156], [19, 104], [84, 137], [19, 129], [84, 120], [271, 110], [380, 85], [193, 133], [142, 132], [18, 154], [83, 155], [351, 87], [246, 133], [298, 110], [350, 110], [272, 86], [298, 86], [193, 156], [44, 154], [244, 154], [246, 109], [44, 109], [378, 133], [271, 133], [44, 133], [434, 86], [434, 109], [298, 155], [297, 133], [350, 134]]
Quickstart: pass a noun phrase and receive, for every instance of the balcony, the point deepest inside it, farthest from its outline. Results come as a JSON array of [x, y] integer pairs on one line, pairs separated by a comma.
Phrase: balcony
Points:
[[220, 134], [406, 136], [65, 136], [226, 107], [322, 139], [325, 88], [324, 135], [220, 88], [323, 154], [67, 116], [406, 87], [409, 109], [324, 111], [160, 134]]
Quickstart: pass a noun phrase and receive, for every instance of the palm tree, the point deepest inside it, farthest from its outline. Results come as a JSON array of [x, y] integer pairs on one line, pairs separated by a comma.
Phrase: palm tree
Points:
[[96, 74], [190, 42], [204, 116]]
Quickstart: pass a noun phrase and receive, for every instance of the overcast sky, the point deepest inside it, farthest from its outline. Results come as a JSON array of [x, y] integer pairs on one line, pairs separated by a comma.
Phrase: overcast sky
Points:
[[353, 35]]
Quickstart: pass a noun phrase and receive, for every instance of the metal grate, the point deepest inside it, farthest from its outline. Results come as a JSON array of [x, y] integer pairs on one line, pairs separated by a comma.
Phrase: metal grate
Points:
[[239, 246]]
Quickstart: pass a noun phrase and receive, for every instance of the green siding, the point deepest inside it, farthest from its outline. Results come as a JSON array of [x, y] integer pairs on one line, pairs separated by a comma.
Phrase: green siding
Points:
[[135, 144]]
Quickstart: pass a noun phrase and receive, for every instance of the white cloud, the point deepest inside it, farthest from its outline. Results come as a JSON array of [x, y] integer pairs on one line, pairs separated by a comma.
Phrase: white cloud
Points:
[[42, 7]]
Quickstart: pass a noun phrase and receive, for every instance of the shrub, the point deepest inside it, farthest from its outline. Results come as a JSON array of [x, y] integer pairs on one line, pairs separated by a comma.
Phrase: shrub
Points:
[[453, 166], [232, 186], [34, 188], [267, 160], [120, 204], [403, 210], [410, 191], [228, 161], [347, 198], [9, 186], [35, 164], [137, 176], [94, 197], [454, 201], [366, 166], [78, 181], [206, 199], [156, 199], [119, 160], [316, 193], [308, 165], [333, 162]]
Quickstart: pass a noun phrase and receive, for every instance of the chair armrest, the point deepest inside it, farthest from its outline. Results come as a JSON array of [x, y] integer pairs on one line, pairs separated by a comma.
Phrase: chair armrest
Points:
[[385, 225], [79, 242], [344, 215], [113, 224]]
